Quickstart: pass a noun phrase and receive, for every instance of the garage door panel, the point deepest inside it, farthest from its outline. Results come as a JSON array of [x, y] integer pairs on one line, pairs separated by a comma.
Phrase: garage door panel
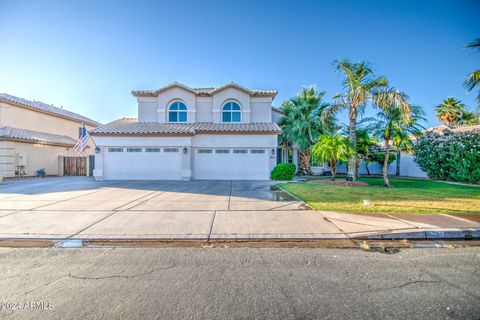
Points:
[[231, 166], [142, 165]]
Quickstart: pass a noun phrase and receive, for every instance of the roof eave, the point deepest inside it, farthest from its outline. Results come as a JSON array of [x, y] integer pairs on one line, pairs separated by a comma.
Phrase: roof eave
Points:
[[56, 144], [93, 124], [131, 134]]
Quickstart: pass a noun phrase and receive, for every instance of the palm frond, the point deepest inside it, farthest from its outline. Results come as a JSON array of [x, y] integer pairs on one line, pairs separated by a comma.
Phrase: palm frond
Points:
[[473, 79], [474, 44]]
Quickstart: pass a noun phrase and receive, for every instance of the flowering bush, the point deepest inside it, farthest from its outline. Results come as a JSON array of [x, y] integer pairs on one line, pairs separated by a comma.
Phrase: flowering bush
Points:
[[452, 156]]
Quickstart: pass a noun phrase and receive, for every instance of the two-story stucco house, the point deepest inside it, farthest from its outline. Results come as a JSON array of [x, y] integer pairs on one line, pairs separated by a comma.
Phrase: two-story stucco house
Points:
[[35, 135], [184, 133]]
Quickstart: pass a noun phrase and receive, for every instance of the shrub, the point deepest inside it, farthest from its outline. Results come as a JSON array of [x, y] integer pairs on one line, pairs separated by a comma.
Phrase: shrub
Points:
[[379, 157], [452, 156], [41, 173], [283, 171]]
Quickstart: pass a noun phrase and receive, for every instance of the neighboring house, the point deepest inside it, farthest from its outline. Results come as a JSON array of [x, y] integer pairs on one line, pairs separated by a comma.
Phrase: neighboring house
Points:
[[184, 133], [35, 135]]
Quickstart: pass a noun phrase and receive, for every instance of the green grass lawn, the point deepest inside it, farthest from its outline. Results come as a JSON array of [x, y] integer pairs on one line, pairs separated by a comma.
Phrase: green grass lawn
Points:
[[405, 196]]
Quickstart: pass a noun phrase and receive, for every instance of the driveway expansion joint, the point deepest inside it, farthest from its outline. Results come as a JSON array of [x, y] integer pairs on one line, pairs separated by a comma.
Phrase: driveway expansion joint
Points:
[[211, 226]]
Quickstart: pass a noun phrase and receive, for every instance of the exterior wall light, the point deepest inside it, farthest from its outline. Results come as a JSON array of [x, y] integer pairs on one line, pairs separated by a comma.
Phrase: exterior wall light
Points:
[[185, 150], [97, 149], [273, 151]]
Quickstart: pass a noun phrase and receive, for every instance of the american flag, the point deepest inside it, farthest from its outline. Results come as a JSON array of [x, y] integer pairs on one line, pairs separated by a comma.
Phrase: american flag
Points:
[[82, 142]]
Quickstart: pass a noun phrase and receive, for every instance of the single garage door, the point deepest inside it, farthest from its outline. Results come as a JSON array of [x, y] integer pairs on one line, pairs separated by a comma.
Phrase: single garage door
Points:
[[134, 163], [231, 164]]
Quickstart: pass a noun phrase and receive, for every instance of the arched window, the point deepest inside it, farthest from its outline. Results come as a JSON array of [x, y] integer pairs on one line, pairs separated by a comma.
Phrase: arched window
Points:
[[231, 112], [177, 112]]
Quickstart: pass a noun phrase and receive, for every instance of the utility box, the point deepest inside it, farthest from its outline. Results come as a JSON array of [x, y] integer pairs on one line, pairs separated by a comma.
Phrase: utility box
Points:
[[21, 160]]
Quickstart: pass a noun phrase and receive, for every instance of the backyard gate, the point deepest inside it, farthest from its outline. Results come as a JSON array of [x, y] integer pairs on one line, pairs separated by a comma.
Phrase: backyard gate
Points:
[[75, 166]]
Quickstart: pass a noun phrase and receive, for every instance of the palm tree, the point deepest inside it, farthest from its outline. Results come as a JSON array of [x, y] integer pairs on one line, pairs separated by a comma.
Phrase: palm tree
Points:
[[359, 86], [395, 124], [473, 79], [306, 117], [470, 118], [332, 148], [450, 111]]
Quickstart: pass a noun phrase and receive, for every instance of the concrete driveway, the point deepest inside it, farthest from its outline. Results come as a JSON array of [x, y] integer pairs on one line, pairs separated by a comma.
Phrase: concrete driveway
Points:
[[81, 208], [198, 210]]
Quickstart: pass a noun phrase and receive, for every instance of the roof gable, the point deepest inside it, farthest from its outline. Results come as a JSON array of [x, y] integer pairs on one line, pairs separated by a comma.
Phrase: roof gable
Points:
[[205, 91], [231, 85]]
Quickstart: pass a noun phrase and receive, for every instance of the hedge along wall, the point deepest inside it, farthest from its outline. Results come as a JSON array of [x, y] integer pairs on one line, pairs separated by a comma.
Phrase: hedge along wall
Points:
[[452, 156]]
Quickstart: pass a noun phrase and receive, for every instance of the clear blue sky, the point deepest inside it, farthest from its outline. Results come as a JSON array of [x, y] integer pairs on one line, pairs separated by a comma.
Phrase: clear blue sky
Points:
[[89, 55]]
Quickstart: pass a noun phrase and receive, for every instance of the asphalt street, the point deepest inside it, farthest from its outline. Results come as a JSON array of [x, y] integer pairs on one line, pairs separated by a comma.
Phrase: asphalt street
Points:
[[238, 283]]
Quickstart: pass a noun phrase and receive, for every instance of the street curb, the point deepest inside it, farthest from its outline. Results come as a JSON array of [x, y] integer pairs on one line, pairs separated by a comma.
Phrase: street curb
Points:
[[467, 234]]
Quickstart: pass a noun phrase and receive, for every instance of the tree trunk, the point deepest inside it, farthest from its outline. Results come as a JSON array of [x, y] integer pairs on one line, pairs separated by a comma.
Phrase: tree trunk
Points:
[[352, 136], [357, 166], [397, 173], [366, 167], [386, 183], [304, 165], [333, 166]]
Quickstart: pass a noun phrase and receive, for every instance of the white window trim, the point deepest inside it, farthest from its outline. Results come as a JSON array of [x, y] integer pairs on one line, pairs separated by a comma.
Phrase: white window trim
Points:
[[231, 111], [167, 113]]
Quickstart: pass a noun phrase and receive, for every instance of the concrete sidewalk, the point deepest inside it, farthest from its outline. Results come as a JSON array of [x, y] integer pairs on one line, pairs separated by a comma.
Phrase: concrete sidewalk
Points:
[[81, 208]]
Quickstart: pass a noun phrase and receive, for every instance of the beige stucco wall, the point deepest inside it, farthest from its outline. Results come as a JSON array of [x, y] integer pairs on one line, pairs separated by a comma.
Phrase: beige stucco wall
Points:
[[18, 117], [37, 156], [7, 158], [147, 109], [176, 93], [221, 97], [204, 109], [261, 110]]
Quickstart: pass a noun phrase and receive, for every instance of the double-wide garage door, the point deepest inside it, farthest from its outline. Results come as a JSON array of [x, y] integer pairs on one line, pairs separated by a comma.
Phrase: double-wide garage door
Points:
[[142, 163], [165, 163], [231, 164]]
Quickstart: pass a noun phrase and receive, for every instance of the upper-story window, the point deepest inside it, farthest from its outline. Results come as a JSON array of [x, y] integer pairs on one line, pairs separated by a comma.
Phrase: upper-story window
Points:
[[231, 112], [177, 112]]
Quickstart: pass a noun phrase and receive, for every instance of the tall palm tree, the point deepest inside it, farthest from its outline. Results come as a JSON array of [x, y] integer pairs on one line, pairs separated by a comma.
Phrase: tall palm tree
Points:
[[332, 148], [395, 124], [450, 111], [359, 86], [306, 117], [473, 79]]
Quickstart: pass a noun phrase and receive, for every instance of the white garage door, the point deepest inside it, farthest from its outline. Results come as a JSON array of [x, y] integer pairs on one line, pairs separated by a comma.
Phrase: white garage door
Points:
[[132, 163], [231, 164]]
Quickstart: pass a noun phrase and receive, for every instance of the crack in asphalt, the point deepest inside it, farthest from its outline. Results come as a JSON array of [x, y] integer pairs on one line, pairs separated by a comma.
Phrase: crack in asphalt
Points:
[[123, 276], [45, 285], [405, 285], [69, 275]]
